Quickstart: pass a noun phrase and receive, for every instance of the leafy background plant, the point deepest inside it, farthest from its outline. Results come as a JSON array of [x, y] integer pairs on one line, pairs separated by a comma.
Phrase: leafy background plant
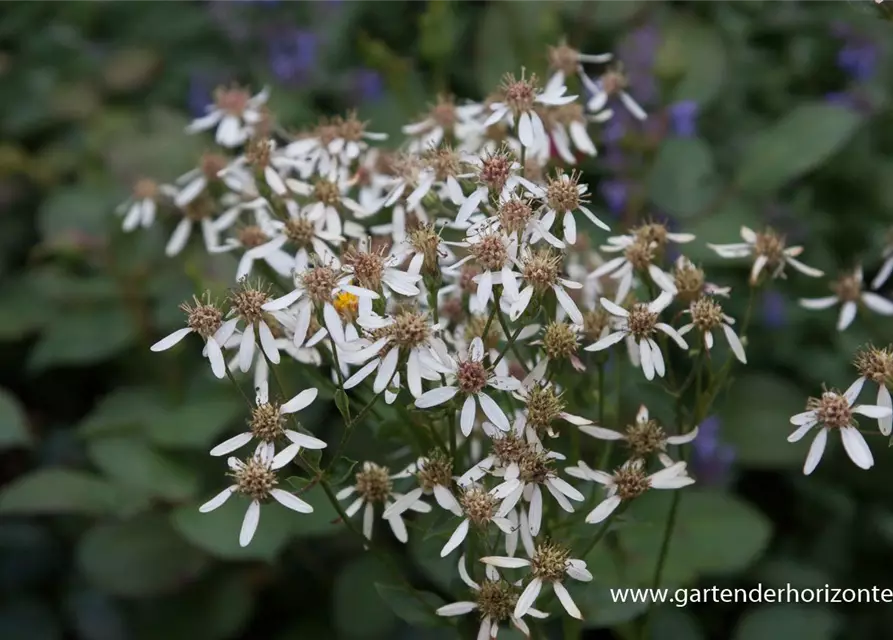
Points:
[[762, 113]]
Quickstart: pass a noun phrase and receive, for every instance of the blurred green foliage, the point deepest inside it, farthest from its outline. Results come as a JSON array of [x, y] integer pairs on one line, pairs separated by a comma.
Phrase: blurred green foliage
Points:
[[103, 446]]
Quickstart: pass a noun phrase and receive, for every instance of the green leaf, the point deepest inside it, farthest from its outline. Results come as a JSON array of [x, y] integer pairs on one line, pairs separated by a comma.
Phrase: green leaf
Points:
[[82, 337], [785, 621], [692, 53], [720, 227], [357, 607], [674, 623], [84, 208], [495, 53], [759, 430], [58, 491], [123, 410], [131, 461], [13, 427], [142, 556], [22, 310], [196, 424], [414, 606], [683, 179], [796, 144], [716, 534], [342, 402]]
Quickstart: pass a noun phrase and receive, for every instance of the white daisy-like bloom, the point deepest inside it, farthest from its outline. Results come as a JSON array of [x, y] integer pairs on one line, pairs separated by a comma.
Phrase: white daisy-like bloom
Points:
[[247, 304], [494, 601], [408, 337], [886, 269], [375, 486], [212, 169], [836, 411], [769, 252], [525, 479], [611, 83], [563, 195], [260, 241], [210, 229], [378, 270], [640, 248], [543, 406], [266, 426], [550, 564], [707, 315], [689, 281], [235, 113], [849, 294], [255, 478], [568, 130], [565, 61], [540, 272], [205, 319], [471, 379], [498, 177], [443, 121], [306, 233], [338, 141], [639, 326], [495, 255], [140, 208], [877, 365], [518, 105], [478, 509], [644, 438], [629, 482], [327, 197], [318, 287], [435, 477]]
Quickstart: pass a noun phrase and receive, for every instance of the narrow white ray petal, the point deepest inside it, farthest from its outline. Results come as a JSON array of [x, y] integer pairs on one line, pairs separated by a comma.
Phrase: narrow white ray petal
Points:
[[566, 601], [291, 501], [249, 523], [856, 447], [605, 508], [168, 341], [232, 444], [217, 500], [816, 449], [456, 539]]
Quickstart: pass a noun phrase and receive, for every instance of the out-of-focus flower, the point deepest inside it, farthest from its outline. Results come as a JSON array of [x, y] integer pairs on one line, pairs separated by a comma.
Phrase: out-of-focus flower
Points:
[[858, 55], [683, 118], [368, 85], [712, 458], [293, 54], [849, 294], [615, 193], [773, 309]]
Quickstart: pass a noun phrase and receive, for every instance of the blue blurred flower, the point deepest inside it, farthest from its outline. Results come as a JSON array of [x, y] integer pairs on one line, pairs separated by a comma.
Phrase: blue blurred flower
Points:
[[198, 95], [615, 193], [683, 118], [637, 52], [368, 85], [712, 459], [293, 55], [773, 310]]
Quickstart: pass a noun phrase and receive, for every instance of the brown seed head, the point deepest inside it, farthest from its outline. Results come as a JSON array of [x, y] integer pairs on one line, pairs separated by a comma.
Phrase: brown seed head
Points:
[[425, 239], [534, 466], [474, 328], [640, 254], [544, 406], [559, 340], [437, 470], [495, 170], [631, 481], [471, 377], [204, 317], [651, 232], [444, 112], [848, 288], [496, 600], [771, 245], [641, 321], [645, 438], [211, 164], [368, 267], [519, 94], [351, 128], [875, 364], [689, 281], [374, 482], [444, 161], [562, 194], [199, 209], [509, 448], [327, 192], [258, 152], [490, 251], [479, 505], [319, 282], [248, 301], [466, 278], [549, 562], [614, 81], [514, 214], [706, 314], [410, 329], [832, 410], [594, 323], [541, 269], [567, 113], [255, 479], [145, 189], [266, 422], [300, 231], [252, 236]]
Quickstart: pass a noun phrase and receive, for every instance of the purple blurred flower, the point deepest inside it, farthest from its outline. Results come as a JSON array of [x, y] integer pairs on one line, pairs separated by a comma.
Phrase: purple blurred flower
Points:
[[683, 118], [637, 52], [858, 59], [712, 458], [773, 310], [368, 85], [293, 55], [615, 193], [199, 94]]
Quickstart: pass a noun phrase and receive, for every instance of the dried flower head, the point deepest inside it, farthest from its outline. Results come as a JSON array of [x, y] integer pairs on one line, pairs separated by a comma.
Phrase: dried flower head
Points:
[[374, 483], [495, 170], [204, 317], [875, 364], [479, 505], [514, 214], [258, 152], [255, 478], [233, 100], [549, 561], [645, 438], [640, 253], [559, 340], [368, 266], [509, 448], [437, 470], [319, 282], [631, 481], [563, 193], [641, 321], [248, 301], [564, 58], [535, 465], [474, 328], [212, 164], [496, 600], [471, 376], [327, 192], [145, 189], [614, 81], [848, 288], [252, 236], [266, 422], [490, 251], [706, 314], [832, 410], [300, 231], [594, 323], [444, 161], [689, 281], [410, 329], [425, 239], [544, 406], [519, 93], [541, 269], [351, 128]]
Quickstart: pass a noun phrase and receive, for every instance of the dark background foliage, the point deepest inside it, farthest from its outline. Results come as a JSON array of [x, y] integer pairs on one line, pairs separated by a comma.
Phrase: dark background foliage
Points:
[[763, 113]]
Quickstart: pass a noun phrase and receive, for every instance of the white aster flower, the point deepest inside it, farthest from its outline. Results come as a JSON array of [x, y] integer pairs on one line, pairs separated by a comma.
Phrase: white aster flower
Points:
[[707, 315], [629, 482], [886, 269], [563, 195], [769, 252], [540, 272], [836, 411], [255, 478], [611, 83], [472, 379], [877, 365], [375, 486], [235, 113], [140, 208], [377, 270], [639, 325], [494, 601], [247, 304], [849, 294], [435, 476], [338, 141], [495, 255], [267, 427], [644, 438], [478, 509], [205, 319], [550, 564]]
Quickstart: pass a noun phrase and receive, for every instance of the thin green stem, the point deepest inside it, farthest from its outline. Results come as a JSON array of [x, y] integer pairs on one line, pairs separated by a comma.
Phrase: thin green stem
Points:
[[602, 530]]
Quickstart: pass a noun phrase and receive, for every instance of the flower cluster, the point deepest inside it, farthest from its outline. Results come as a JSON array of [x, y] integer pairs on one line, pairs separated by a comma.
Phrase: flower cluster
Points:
[[454, 279]]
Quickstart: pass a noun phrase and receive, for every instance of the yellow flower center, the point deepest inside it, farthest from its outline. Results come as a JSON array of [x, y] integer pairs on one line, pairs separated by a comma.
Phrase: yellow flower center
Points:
[[346, 304]]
